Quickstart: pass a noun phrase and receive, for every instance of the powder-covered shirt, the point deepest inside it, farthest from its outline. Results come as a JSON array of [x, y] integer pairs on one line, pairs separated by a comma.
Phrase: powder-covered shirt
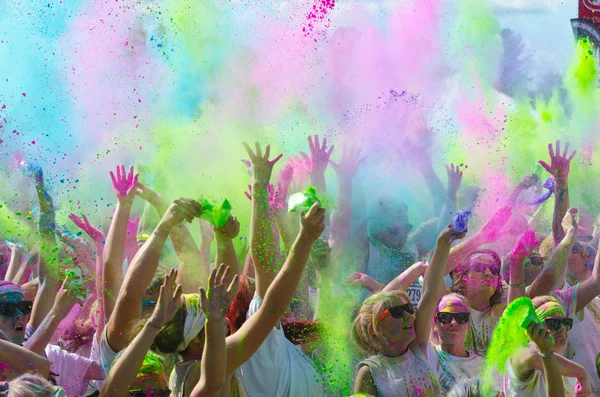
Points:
[[535, 385], [481, 329], [278, 368], [406, 376], [452, 369], [71, 370]]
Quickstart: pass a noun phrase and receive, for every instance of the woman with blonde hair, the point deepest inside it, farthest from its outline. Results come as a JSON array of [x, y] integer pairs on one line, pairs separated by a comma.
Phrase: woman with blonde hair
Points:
[[396, 336]]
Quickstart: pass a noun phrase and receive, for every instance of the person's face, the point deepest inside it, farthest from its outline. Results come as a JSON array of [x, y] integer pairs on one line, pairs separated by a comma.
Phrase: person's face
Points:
[[13, 325], [151, 386], [482, 276], [561, 336], [578, 264], [452, 322], [533, 267], [392, 229], [397, 326]]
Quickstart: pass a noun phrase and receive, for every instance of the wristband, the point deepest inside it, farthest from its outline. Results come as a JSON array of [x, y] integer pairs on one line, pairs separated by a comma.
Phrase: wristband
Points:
[[520, 285], [547, 355]]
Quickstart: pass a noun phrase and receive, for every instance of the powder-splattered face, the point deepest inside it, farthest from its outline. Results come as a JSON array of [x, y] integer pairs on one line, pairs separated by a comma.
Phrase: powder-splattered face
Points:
[[482, 276], [560, 335], [578, 263], [13, 325], [397, 325], [451, 321]]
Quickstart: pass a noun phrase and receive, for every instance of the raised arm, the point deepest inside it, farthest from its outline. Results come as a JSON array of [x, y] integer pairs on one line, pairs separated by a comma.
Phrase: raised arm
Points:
[[319, 159], [590, 288], [342, 215], [193, 271], [225, 250], [16, 257], [244, 343], [543, 340], [555, 266], [26, 269], [407, 277], [488, 233], [21, 360], [433, 282], [559, 168], [125, 369], [208, 235], [524, 248], [64, 302], [48, 263], [141, 271], [361, 280], [215, 304], [262, 244], [98, 238], [112, 276]]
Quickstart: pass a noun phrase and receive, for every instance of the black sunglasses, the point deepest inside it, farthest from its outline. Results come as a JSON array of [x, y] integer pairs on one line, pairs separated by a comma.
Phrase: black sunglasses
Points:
[[9, 309], [446, 318], [154, 393], [400, 311], [535, 260], [554, 324]]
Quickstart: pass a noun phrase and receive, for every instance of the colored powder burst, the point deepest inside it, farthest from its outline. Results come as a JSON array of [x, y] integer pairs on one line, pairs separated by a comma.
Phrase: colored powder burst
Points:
[[509, 337], [318, 15]]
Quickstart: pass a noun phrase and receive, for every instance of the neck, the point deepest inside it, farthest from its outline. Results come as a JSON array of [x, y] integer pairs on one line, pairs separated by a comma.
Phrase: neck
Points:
[[190, 355], [478, 302], [454, 349], [571, 279], [395, 349]]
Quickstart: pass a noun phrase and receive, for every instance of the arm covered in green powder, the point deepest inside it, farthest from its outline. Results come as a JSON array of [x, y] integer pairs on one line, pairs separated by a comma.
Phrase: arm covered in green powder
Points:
[[554, 381], [555, 266], [246, 341], [433, 283], [262, 244]]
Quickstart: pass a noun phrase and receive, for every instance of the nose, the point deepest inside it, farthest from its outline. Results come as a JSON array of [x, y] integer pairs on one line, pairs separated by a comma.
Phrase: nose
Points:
[[488, 272]]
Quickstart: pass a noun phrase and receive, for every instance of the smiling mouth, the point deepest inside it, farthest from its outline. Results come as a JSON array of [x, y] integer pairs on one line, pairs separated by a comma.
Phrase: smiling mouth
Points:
[[19, 328]]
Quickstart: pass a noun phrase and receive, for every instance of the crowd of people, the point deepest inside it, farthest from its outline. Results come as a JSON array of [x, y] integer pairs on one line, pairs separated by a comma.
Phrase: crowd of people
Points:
[[125, 312]]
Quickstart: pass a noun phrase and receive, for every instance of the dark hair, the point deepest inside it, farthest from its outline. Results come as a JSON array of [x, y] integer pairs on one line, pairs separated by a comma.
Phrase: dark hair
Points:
[[458, 282]]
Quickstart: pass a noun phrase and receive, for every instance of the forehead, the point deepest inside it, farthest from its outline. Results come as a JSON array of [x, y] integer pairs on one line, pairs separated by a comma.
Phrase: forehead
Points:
[[556, 315], [11, 297], [452, 305], [485, 258]]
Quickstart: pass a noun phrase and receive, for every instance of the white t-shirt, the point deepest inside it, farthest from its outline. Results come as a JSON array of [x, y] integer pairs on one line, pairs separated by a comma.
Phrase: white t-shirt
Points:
[[106, 355], [278, 368], [534, 386], [406, 376], [71, 369], [481, 329], [451, 369], [585, 340]]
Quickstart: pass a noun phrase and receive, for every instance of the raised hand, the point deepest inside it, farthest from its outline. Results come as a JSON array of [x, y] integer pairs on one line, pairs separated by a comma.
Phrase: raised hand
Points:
[[149, 195], [214, 303], [454, 179], [262, 167], [132, 226], [448, 235], [313, 222], [169, 301], [181, 209], [351, 160], [319, 155], [559, 164], [124, 184], [570, 220], [492, 229], [525, 246], [206, 231], [541, 337], [95, 234], [527, 181], [229, 230]]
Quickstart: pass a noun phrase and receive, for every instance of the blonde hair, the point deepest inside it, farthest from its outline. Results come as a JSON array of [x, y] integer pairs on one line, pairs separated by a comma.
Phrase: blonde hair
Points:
[[29, 385], [364, 332]]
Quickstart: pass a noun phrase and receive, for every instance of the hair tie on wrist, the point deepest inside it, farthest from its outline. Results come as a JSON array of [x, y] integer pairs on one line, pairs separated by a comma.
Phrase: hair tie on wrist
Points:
[[547, 355], [520, 285]]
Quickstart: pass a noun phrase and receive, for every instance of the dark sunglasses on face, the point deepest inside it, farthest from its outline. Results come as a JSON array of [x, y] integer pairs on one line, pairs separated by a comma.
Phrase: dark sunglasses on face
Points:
[[400, 311], [154, 393], [9, 309], [446, 318], [554, 324], [483, 266]]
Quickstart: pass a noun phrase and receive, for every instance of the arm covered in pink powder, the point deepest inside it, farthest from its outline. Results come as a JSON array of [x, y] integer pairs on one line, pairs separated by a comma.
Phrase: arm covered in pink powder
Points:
[[21, 360]]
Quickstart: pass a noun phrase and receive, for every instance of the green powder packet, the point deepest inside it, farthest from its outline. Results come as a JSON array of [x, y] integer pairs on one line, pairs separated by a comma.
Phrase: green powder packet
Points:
[[304, 200], [216, 215]]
